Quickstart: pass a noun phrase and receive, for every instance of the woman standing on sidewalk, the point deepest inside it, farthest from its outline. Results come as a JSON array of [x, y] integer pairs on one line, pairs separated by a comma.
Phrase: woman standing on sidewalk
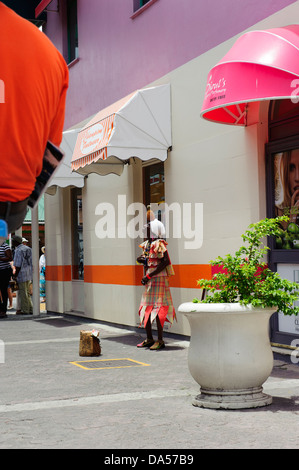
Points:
[[156, 302], [5, 275]]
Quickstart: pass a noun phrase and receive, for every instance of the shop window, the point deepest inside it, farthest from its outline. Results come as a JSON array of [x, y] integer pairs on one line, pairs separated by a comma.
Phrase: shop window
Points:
[[282, 177], [77, 235], [282, 159], [283, 119], [154, 190], [72, 30], [286, 186]]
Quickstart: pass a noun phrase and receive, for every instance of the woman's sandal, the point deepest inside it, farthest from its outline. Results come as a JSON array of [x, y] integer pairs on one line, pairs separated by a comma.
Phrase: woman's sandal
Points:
[[146, 343], [157, 345]]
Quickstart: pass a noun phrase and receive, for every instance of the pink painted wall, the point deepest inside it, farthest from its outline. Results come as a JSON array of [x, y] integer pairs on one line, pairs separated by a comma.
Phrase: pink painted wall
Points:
[[118, 54]]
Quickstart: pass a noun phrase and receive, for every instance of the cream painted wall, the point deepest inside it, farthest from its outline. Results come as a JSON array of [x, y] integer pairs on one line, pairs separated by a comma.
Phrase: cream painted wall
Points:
[[217, 165], [99, 190], [58, 248], [221, 166]]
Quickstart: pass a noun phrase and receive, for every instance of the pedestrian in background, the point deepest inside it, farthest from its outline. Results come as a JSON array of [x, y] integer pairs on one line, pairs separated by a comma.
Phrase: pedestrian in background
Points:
[[42, 275], [5, 276], [23, 265]]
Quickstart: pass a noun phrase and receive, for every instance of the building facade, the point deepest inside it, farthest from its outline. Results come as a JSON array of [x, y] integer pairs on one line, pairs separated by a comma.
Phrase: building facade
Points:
[[216, 179]]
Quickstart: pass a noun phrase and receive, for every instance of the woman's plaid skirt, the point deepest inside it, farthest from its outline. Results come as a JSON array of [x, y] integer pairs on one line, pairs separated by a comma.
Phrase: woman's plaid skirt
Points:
[[157, 301]]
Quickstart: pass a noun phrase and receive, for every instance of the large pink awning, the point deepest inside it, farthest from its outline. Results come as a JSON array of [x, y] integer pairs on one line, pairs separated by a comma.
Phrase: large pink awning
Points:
[[261, 65]]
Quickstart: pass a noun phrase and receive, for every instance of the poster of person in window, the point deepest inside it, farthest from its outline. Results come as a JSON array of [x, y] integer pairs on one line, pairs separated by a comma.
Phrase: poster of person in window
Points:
[[286, 184]]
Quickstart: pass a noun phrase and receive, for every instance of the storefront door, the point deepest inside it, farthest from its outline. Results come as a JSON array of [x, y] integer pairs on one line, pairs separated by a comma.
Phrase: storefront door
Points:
[[77, 251], [282, 170]]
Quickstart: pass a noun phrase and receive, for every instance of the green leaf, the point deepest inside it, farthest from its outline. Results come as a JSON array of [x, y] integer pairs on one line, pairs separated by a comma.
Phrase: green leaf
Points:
[[245, 277]]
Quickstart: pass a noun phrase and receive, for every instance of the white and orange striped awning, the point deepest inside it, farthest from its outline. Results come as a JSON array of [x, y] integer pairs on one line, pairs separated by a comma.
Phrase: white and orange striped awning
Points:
[[139, 126], [64, 176]]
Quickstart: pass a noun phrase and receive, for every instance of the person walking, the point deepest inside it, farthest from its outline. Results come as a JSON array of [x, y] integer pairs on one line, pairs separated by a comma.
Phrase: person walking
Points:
[[23, 274], [42, 275], [5, 276], [156, 302]]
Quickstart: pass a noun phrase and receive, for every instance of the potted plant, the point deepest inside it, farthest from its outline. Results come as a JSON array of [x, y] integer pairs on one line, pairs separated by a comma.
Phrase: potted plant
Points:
[[230, 354]]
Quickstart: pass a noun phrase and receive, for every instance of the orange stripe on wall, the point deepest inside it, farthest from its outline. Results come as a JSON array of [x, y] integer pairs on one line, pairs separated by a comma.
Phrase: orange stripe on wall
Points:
[[122, 275], [58, 273], [185, 276]]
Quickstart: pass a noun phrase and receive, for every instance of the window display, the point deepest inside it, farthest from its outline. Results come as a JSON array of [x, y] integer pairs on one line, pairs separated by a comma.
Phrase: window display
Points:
[[286, 187]]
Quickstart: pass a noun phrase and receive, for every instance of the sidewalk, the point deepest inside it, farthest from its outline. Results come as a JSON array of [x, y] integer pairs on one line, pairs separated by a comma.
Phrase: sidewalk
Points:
[[127, 398]]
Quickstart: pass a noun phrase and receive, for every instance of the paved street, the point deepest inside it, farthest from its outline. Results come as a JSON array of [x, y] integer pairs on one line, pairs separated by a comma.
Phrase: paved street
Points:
[[127, 398]]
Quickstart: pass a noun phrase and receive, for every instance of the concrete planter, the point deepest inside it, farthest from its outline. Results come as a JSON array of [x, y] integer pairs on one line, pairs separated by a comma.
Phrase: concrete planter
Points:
[[230, 355]]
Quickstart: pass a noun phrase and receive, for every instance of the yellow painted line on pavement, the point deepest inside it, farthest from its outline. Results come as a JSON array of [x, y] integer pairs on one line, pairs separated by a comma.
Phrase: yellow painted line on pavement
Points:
[[108, 365]]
